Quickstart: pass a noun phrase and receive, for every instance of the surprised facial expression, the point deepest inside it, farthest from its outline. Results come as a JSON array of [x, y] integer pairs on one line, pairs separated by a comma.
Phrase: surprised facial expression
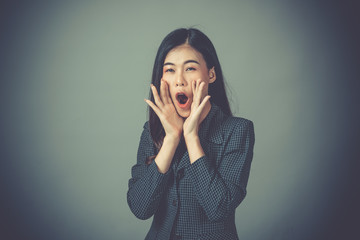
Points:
[[183, 65]]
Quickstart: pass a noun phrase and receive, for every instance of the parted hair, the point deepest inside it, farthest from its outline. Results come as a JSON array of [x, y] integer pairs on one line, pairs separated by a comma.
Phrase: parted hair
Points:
[[200, 42]]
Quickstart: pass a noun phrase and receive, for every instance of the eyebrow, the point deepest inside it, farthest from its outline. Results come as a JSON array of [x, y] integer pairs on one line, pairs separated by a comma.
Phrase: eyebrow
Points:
[[188, 61]]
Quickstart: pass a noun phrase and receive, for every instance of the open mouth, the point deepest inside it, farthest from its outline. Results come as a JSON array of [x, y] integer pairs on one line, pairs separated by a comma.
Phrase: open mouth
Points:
[[182, 99]]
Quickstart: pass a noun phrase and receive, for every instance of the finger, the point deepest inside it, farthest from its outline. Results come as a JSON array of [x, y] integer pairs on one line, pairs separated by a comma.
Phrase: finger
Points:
[[194, 92], [201, 108], [193, 86], [163, 91], [203, 92], [158, 101], [198, 92], [198, 83], [154, 107], [167, 92], [203, 103]]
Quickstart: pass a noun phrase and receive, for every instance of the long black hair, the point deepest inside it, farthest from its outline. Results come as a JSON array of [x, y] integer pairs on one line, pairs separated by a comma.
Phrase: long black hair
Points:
[[200, 42]]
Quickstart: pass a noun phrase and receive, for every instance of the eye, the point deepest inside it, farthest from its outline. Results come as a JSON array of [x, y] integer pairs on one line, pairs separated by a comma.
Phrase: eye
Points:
[[190, 69], [169, 70]]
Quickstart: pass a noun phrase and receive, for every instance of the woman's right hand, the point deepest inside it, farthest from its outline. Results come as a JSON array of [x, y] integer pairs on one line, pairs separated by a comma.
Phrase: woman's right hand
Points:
[[165, 110]]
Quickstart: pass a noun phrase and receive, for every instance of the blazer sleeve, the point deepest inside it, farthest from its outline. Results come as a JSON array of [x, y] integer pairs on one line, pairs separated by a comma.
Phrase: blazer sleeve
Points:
[[147, 184], [219, 190]]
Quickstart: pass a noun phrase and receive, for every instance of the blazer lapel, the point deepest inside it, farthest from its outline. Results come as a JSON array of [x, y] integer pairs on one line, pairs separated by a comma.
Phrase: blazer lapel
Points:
[[184, 161]]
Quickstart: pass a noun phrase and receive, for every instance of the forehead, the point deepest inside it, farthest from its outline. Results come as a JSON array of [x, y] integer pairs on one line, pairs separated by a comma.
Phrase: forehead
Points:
[[182, 53]]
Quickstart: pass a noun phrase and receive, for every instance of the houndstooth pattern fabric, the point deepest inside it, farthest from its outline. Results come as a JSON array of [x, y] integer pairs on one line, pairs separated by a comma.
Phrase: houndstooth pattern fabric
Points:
[[195, 201]]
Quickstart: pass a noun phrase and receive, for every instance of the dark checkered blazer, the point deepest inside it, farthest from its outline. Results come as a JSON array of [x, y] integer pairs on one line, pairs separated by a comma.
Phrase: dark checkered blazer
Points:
[[195, 201]]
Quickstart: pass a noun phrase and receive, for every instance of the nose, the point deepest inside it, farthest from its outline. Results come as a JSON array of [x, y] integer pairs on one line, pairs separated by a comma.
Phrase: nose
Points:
[[180, 81]]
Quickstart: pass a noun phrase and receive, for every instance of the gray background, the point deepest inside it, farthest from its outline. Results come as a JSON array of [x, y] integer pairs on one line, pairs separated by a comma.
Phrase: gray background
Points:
[[73, 79]]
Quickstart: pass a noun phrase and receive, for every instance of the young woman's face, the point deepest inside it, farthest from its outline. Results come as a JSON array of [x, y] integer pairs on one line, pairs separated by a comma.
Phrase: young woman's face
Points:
[[182, 65]]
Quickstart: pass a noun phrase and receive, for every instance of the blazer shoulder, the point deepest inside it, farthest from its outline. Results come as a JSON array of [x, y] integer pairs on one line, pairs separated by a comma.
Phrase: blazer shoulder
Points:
[[146, 135], [232, 124], [239, 134], [226, 126], [146, 125]]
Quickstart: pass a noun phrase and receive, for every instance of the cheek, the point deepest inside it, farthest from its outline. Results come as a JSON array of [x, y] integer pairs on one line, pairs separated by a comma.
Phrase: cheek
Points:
[[171, 91], [206, 90], [168, 82], [195, 76], [168, 76]]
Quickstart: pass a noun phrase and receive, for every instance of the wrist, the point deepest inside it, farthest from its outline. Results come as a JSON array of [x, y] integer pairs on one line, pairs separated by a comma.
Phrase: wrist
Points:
[[194, 147], [169, 139], [191, 137]]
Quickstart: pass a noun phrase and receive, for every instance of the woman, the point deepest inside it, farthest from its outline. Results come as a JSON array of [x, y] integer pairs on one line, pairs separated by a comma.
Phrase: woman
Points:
[[194, 157]]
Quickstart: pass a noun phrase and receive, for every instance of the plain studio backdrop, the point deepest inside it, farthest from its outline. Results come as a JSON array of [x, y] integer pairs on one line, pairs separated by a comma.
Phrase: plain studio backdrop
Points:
[[73, 78]]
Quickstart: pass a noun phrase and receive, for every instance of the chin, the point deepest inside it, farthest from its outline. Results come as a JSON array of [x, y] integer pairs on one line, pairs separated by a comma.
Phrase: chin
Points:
[[183, 114]]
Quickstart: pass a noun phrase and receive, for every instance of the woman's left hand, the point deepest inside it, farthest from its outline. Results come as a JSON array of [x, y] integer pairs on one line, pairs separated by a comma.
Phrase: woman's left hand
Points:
[[198, 109]]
